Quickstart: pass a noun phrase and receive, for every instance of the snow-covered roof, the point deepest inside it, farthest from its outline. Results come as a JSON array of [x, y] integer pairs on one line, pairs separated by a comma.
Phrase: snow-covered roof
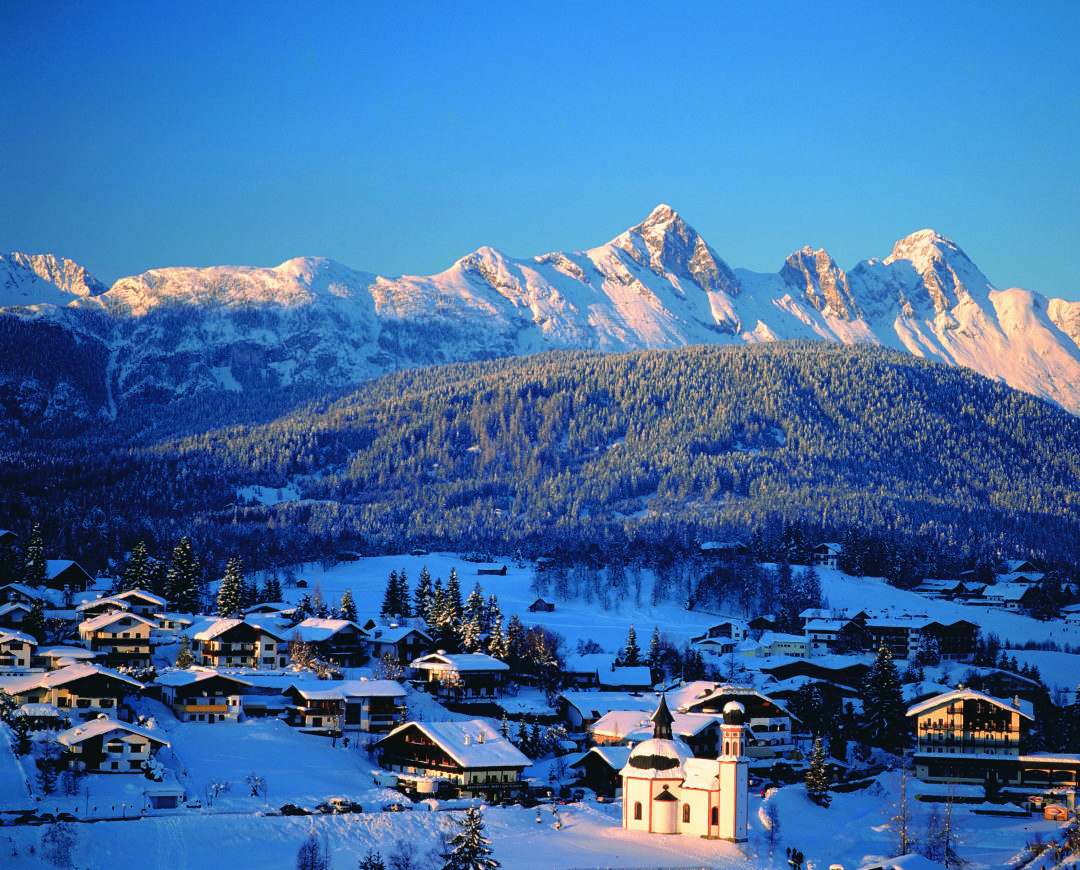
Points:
[[614, 757], [110, 600], [9, 635], [657, 758], [66, 652], [1007, 591], [593, 705], [55, 567], [179, 677], [589, 663], [1022, 707], [344, 689], [71, 673], [472, 743], [701, 773], [140, 593], [634, 726], [768, 638], [100, 727], [314, 628], [208, 629], [460, 662], [13, 605], [396, 633], [107, 619]]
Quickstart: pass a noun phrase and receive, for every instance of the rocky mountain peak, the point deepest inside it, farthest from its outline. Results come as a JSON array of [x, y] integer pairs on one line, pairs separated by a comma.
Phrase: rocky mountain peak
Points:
[[667, 244], [823, 283]]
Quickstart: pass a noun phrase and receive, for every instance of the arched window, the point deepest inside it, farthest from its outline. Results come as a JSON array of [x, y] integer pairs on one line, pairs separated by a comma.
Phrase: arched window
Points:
[[715, 816], [686, 813], [637, 811]]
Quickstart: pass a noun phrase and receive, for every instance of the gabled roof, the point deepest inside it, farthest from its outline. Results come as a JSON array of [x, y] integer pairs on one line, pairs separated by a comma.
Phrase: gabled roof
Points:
[[101, 727], [23, 589], [141, 593], [614, 757], [54, 679], [107, 619], [313, 629], [8, 635], [461, 662], [593, 705], [208, 629], [56, 567], [345, 689], [181, 678], [1024, 708], [111, 600], [394, 633], [462, 742], [5, 609]]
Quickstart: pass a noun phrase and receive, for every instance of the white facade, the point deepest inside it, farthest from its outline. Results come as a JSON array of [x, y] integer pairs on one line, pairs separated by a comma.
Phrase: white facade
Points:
[[668, 791]]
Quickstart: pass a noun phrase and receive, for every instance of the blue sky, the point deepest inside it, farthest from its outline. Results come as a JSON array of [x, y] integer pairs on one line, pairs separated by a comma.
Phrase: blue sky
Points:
[[397, 137]]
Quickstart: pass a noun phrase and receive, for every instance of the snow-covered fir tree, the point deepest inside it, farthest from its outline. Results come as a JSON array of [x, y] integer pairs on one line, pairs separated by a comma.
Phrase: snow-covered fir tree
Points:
[[183, 578], [452, 606], [469, 849], [372, 860], [492, 611], [391, 606], [404, 595], [347, 608], [319, 607], [631, 653], [423, 595], [136, 573], [652, 657], [497, 644], [817, 776], [34, 564], [184, 658], [230, 592], [884, 718]]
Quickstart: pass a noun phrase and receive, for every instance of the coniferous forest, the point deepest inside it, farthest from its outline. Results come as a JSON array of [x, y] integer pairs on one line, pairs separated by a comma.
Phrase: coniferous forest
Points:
[[920, 468]]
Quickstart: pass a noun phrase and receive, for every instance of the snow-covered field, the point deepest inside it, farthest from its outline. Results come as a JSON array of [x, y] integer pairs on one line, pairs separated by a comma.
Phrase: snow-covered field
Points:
[[851, 832]]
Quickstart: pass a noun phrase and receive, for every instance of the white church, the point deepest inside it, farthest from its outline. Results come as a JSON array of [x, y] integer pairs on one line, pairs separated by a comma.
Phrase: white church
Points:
[[666, 790]]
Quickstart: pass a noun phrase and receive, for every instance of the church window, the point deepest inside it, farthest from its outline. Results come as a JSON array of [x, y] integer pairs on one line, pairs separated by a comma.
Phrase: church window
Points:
[[637, 811], [715, 816], [686, 813]]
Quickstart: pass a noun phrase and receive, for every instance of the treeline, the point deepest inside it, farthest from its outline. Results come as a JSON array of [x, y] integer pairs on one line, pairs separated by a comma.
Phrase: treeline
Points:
[[924, 469]]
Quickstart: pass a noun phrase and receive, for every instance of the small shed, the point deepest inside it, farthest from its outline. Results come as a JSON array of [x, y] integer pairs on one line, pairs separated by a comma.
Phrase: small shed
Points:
[[541, 606]]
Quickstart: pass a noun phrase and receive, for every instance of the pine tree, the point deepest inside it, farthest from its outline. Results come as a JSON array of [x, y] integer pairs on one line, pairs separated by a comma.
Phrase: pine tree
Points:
[[652, 659], [884, 717], [631, 654], [403, 595], [183, 578], [348, 606], [536, 741], [391, 605], [504, 725], [157, 576], [817, 776], [452, 605], [515, 642], [522, 741], [491, 612], [469, 848], [34, 624], [136, 573], [423, 595], [184, 658], [271, 589], [34, 565], [498, 646], [230, 591]]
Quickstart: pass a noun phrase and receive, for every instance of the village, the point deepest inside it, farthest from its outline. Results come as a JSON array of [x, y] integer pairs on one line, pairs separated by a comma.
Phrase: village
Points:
[[653, 721]]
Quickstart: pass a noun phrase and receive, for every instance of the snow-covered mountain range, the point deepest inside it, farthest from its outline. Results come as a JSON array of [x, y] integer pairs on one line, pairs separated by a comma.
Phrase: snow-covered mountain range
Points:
[[311, 322]]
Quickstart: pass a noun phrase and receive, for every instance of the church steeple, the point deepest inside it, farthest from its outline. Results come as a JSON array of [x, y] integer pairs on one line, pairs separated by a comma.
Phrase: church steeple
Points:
[[662, 720]]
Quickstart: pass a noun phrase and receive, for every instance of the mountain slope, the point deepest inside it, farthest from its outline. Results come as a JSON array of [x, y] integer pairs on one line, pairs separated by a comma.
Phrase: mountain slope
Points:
[[312, 324]]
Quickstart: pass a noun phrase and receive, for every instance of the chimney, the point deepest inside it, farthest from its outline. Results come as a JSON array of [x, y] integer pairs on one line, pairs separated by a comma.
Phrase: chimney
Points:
[[1016, 700], [468, 740], [480, 737]]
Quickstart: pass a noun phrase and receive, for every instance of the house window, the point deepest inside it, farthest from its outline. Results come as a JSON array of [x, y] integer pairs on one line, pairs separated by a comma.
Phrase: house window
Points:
[[686, 814], [637, 811]]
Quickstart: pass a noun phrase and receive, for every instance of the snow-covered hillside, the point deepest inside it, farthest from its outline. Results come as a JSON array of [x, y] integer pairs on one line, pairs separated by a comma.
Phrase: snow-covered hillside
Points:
[[314, 322]]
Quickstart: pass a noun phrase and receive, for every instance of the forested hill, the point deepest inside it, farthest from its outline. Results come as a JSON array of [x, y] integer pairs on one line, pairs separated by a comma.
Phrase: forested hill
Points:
[[591, 453]]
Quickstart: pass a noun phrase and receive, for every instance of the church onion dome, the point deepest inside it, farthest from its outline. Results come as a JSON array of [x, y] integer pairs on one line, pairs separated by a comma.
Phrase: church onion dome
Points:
[[734, 712], [657, 758]]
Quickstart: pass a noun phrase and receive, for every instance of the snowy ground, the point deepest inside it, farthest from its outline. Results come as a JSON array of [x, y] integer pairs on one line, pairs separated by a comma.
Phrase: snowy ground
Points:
[[851, 832]]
